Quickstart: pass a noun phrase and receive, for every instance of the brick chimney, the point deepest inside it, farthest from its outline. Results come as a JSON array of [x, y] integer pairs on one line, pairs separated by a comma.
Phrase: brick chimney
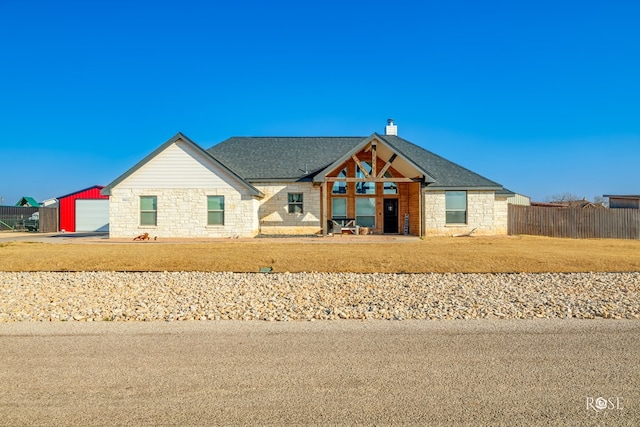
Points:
[[391, 129]]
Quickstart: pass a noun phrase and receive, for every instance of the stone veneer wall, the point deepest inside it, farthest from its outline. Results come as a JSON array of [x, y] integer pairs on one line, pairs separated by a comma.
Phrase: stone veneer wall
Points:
[[182, 212], [501, 218], [273, 213], [483, 212]]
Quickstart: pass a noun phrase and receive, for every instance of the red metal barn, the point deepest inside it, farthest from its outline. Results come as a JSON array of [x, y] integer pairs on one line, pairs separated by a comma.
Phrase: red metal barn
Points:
[[84, 210]]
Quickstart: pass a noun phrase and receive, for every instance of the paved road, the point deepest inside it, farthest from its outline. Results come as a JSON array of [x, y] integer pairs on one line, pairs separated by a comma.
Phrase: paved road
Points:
[[547, 372]]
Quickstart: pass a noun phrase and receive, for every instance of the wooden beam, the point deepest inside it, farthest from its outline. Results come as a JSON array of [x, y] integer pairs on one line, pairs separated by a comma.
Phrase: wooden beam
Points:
[[364, 171], [374, 158], [387, 166], [371, 145]]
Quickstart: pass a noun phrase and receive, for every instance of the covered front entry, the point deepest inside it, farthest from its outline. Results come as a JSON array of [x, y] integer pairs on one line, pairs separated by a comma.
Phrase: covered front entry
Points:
[[390, 216], [375, 190]]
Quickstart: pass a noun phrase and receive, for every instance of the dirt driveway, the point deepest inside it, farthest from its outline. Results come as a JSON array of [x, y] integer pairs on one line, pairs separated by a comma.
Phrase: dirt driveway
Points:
[[547, 372]]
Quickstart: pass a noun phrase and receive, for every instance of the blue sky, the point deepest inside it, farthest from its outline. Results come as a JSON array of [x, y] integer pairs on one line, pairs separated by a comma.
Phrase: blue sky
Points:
[[540, 96]]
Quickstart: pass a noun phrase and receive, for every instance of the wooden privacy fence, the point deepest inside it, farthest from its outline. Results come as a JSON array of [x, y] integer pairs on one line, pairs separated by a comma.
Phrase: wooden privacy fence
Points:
[[48, 220], [14, 217], [576, 223]]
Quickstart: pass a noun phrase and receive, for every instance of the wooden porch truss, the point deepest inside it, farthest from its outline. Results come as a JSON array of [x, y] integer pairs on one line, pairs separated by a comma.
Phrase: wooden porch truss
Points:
[[408, 196]]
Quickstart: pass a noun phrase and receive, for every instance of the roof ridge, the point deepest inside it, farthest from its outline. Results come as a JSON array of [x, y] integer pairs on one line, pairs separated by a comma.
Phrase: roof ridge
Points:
[[292, 137]]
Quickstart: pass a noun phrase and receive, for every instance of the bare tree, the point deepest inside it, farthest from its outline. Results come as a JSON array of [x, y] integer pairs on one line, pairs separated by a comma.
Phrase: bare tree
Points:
[[601, 200], [563, 197], [570, 197]]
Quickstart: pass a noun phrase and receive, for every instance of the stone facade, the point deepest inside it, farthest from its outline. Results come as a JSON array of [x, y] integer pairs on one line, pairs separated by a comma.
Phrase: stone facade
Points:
[[501, 215], [273, 210], [484, 213], [182, 212]]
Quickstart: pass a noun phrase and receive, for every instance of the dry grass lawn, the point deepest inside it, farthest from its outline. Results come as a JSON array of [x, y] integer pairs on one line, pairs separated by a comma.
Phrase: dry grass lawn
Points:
[[433, 254]]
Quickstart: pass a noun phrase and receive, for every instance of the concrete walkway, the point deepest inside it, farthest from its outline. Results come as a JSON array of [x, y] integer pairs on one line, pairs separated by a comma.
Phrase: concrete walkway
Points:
[[23, 236], [547, 372], [98, 237]]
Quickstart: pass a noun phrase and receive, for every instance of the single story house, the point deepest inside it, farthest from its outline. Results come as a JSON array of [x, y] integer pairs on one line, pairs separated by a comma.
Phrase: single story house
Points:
[[27, 202], [621, 201], [245, 186]]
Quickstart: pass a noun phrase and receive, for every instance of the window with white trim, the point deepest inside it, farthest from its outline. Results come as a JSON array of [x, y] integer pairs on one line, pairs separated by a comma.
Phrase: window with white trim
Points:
[[215, 210], [148, 210], [456, 207]]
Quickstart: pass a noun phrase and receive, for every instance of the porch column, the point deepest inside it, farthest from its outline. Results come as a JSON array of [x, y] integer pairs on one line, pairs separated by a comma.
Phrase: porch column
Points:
[[323, 195], [421, 212]]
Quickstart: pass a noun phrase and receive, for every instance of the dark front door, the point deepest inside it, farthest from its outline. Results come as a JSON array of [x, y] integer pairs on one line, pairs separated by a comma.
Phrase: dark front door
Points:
[[390, 216]]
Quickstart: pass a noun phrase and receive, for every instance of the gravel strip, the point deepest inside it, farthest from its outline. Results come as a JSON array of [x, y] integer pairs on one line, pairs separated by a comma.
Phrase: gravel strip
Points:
[[168, 296]]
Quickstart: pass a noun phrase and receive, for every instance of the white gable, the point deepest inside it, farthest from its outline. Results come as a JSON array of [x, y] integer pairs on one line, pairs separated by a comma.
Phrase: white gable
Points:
[[180, 166], [400, 163]]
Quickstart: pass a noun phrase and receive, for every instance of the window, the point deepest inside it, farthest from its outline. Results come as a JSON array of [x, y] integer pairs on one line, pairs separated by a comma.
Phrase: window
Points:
[[340, 187], [364, 187], [295, 202], [338, 207], [148, 210], [389, 187], [366, 212], [456, 206], [215, 210]]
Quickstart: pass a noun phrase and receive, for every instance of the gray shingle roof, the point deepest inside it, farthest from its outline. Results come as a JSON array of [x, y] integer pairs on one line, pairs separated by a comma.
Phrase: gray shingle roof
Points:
[[288, 158], [446, 173], [281, 158]]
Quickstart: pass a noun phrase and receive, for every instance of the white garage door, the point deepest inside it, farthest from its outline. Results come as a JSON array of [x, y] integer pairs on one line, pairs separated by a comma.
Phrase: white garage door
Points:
[[92, 215]]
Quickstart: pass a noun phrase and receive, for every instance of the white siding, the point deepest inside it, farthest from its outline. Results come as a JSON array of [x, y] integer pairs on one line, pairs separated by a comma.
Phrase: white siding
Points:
[[519, 199], [180, 166]]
